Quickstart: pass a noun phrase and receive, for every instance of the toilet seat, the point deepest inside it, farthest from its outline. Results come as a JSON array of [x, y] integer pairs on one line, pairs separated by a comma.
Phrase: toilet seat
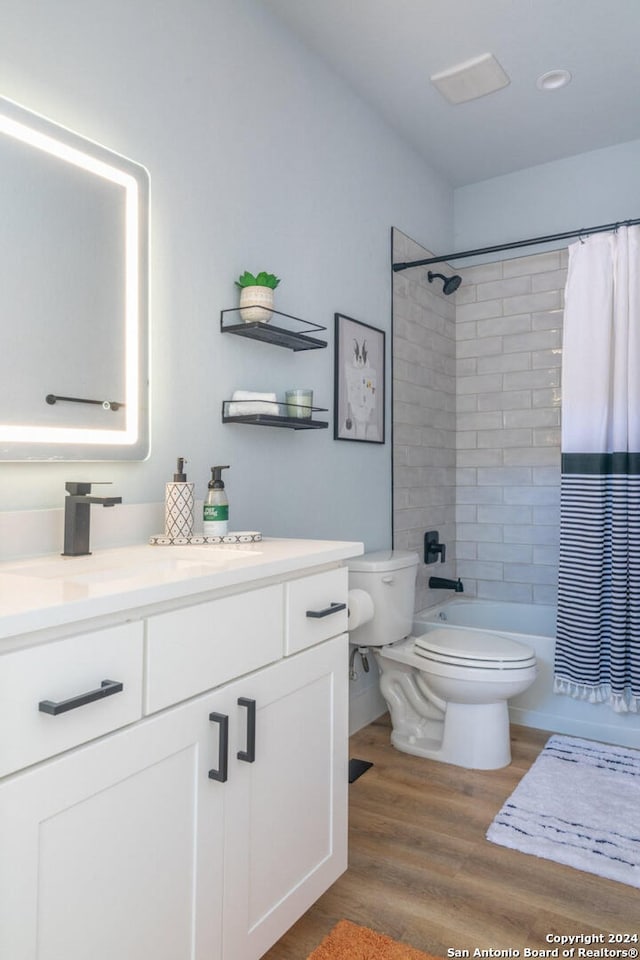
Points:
[[470, 668], [473, 649]]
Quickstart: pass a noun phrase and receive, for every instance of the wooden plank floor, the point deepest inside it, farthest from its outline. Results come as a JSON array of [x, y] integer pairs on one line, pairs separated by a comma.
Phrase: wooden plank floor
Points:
[[421, 871]]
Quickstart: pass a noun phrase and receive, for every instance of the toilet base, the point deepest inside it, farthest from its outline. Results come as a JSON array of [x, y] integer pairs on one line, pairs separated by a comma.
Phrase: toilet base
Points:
[[447, 712], [474, 736]]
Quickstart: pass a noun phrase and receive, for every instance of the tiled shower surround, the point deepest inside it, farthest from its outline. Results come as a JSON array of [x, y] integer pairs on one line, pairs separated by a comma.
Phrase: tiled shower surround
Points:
[[501, 331], [424, 415]]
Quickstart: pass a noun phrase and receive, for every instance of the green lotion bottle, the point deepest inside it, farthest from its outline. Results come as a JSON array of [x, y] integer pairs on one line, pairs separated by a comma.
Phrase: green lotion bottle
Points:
[[215, 520]]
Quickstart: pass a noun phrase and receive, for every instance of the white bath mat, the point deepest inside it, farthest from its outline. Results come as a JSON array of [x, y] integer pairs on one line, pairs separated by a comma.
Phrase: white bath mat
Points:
[[579, 804]]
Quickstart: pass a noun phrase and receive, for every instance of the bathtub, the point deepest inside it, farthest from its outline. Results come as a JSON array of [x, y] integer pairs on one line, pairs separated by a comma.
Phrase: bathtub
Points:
[[534, 625], [531, 619]]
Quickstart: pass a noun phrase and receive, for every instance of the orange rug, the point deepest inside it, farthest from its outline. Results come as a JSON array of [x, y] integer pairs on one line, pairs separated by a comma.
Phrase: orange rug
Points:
[[348, 941]]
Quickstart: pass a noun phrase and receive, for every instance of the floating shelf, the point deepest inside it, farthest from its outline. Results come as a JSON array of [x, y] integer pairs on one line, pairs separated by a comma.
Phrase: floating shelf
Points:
[[280, 417], [293, 336]]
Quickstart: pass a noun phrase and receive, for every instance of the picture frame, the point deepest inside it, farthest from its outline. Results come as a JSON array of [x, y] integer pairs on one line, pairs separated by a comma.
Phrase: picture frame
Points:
[[359, 381]]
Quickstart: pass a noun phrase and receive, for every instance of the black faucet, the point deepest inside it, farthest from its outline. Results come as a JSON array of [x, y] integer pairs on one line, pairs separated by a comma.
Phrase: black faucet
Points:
[[77, 515], [441, 583], [433, 549]]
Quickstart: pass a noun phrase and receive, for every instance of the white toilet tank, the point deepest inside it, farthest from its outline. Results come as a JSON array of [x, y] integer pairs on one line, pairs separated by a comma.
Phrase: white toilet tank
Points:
[[389, 577]]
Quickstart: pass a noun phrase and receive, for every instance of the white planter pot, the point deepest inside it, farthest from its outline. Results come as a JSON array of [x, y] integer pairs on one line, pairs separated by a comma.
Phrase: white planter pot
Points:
[[256, 303]]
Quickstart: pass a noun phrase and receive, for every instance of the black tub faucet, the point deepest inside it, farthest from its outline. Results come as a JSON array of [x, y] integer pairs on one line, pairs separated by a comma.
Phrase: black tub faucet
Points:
[[441, 583], [433, 549], [77, 517]]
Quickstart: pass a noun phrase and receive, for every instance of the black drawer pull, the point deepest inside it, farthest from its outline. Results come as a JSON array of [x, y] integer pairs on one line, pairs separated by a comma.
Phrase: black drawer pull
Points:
[[223, 746], [333, 608], [249, 754], [106, 689]]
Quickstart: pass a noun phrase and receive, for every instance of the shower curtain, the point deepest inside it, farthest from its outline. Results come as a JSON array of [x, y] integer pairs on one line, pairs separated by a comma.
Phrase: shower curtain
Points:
[[598, 633]]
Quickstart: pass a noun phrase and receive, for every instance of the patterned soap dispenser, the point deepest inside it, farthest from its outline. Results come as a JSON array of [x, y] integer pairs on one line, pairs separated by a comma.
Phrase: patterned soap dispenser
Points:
[[178, 505]]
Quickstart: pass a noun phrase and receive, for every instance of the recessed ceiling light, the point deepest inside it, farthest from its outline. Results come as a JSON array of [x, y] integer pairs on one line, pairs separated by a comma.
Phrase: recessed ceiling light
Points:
[[553, 80]]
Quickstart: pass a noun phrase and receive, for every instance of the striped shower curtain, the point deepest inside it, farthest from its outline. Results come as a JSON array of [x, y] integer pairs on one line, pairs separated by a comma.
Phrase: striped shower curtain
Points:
[[598, 633]]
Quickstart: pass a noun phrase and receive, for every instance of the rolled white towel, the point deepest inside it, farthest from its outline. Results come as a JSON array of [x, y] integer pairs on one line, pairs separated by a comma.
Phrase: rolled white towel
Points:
[[251, 395], [246, 402]]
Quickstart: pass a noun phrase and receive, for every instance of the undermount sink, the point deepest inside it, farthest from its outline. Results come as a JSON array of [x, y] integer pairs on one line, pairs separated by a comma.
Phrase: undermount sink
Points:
[[134, 563]]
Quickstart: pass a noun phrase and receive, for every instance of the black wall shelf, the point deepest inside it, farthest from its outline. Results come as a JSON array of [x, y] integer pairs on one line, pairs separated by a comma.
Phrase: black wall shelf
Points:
[[294, 336], [279, 419]]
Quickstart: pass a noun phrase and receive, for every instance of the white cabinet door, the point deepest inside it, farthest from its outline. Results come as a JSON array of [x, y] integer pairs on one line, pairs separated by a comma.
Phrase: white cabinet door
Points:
[[114, 849], [286, 813], [117, 848]]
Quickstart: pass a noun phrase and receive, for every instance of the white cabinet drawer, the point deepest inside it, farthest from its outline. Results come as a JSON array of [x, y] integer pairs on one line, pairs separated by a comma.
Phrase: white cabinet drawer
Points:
[[313, 609], [58, 695], [199, 648]]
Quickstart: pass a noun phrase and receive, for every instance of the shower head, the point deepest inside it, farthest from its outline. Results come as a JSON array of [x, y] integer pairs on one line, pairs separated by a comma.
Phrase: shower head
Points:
[[450, 284]]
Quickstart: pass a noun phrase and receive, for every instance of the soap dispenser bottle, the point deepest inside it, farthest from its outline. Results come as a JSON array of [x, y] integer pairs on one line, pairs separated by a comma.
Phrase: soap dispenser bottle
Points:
[[178, 507], [215, 520]]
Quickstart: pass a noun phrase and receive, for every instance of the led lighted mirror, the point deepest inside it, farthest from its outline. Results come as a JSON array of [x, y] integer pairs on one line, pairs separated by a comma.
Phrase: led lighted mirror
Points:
[[74, 297]]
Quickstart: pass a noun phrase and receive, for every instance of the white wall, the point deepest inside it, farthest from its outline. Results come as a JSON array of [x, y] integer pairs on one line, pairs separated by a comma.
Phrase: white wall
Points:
[[260, 158], [582, 191]]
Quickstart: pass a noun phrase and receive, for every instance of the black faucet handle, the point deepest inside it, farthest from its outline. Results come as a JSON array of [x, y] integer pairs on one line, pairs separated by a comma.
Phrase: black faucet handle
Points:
[[433, 548], [82, 488]]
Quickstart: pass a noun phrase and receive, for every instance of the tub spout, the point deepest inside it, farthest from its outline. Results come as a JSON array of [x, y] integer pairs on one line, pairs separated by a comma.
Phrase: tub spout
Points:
[[441, 583]]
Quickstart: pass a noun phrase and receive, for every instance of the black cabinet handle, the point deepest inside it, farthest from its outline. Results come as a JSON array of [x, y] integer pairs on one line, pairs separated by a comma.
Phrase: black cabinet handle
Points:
[[223, 746], [332, 608], [106, 689], [249, 754]]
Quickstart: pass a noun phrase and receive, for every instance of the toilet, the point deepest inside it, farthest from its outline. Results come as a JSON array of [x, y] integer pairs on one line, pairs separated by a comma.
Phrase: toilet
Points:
[[446, 690]]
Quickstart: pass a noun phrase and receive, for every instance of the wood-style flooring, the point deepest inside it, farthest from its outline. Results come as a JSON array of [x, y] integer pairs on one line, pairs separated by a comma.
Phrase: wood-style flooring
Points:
[[421, 871]]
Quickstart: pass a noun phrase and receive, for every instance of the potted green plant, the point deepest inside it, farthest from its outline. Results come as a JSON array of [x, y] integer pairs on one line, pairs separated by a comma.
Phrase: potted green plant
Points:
[[256, 295]]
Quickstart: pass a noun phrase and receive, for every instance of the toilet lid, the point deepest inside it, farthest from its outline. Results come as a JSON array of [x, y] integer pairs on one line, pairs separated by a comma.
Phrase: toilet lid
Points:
[[471, 647]]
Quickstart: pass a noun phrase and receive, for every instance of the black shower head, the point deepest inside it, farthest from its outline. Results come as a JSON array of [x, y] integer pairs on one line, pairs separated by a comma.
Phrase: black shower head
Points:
[[450, 284]]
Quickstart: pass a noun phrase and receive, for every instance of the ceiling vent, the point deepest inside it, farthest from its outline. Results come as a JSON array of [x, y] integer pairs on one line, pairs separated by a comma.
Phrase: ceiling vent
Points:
[[471, 79]]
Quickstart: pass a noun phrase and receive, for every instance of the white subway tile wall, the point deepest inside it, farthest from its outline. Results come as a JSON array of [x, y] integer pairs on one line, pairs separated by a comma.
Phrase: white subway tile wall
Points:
[[476, 381], [509, 339], [424, 415]]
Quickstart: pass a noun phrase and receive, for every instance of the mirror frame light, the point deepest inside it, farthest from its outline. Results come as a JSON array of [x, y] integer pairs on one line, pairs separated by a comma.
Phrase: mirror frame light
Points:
[[31, 442]]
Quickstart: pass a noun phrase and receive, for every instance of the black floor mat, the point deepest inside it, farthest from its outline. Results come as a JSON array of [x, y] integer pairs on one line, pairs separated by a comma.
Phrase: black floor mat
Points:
[[357, 768]]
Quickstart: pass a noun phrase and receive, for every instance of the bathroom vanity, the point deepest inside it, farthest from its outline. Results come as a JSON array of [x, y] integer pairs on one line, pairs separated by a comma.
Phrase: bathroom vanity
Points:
[[173, 748]]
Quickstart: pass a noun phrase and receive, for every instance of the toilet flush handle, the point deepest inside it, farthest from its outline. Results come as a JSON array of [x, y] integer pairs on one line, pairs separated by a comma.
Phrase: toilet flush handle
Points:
[[388, 579]]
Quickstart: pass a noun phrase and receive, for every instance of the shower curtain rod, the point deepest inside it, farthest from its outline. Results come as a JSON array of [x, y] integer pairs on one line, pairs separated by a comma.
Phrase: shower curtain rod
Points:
[[516, 245]]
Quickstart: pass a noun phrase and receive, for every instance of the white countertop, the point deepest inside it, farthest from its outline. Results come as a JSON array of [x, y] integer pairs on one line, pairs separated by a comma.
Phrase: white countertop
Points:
[[50, 591]]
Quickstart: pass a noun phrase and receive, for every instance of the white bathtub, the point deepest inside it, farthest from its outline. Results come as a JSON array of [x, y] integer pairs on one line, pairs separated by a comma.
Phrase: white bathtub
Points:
[[534, 619], [534, 625]]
